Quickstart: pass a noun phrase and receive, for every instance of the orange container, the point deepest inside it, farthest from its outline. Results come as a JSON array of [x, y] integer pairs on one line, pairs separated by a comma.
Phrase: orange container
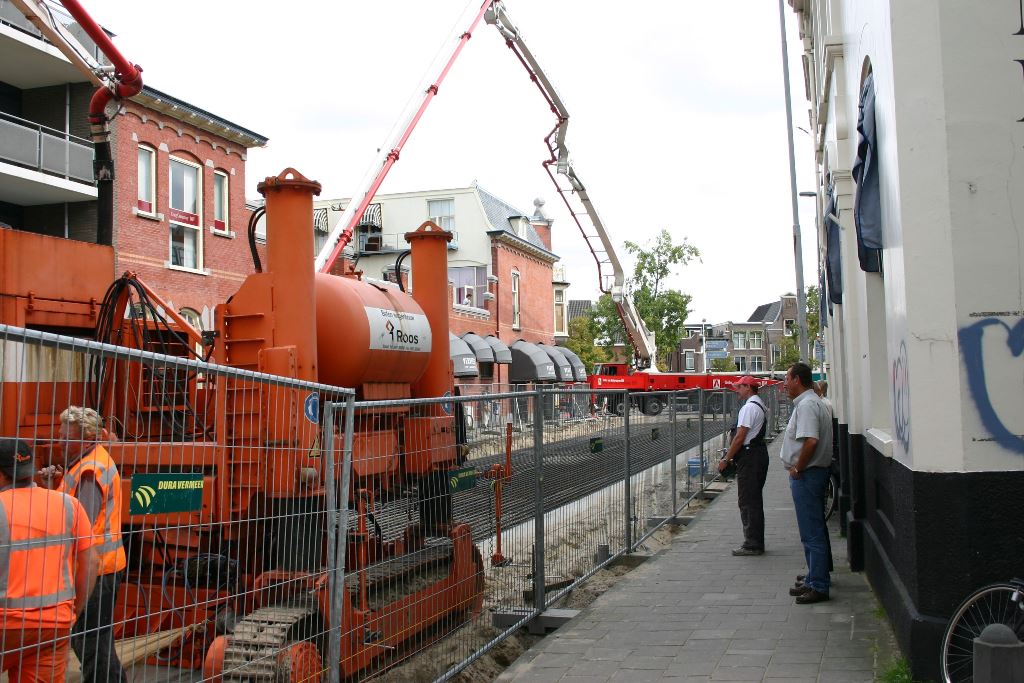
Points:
[[368, 333]]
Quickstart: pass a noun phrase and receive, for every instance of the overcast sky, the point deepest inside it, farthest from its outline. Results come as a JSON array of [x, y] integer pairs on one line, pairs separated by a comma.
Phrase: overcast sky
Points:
[[677, 114]]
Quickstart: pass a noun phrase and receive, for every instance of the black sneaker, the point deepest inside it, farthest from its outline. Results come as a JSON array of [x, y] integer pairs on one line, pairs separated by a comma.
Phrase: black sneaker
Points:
[[744, 551]]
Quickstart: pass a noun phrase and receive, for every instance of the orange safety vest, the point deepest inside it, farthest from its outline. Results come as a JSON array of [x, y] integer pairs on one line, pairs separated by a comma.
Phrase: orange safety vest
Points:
[[107, 527], [37, 555]]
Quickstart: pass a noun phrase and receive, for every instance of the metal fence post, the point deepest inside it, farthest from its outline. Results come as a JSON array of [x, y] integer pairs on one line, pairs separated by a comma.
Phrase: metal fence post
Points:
[[628, 498], [672, 451], [700, 429], [538, 499], [337, 527]]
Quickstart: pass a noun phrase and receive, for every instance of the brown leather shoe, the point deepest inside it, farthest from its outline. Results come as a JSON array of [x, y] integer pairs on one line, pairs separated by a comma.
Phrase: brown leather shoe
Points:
[[799, 589], [810, 597]]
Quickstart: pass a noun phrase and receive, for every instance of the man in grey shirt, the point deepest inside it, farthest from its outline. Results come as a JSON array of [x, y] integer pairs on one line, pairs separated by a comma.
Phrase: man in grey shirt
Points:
[[806, 455]]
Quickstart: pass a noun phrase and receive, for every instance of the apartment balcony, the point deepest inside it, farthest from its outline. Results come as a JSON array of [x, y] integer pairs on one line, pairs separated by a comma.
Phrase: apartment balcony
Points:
[[27, 60], [40, 165], [370, 241]]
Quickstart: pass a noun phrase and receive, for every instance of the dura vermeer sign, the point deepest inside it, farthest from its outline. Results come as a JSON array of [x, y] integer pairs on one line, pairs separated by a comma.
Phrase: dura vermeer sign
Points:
[[157, 493]]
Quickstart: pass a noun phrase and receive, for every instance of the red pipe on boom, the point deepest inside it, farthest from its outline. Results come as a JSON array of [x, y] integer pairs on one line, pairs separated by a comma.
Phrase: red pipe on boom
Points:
[[128, 76], [393, 155]]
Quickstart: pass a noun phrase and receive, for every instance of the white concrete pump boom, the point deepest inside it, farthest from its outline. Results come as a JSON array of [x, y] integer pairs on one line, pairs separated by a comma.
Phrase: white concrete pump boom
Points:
[[600, 244]]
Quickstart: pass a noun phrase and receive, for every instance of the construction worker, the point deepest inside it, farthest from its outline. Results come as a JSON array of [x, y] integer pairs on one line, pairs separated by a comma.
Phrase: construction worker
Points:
[[91, 476], [47, 570]]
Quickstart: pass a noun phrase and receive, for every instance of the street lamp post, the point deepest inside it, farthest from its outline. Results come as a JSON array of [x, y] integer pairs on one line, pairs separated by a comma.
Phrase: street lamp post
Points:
[[801, 295]]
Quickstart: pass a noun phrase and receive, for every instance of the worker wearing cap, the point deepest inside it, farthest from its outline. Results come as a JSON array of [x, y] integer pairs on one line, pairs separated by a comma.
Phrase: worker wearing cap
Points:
[[47, 570], [92, 477], [750, 453]]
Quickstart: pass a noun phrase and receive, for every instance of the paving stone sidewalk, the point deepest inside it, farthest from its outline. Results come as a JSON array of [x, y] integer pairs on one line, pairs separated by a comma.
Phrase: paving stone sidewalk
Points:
[[695, 613]]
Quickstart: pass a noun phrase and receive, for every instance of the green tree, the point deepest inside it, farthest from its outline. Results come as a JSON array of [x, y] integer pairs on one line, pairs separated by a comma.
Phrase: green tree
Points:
[[723, 365], [789, 351], [814, 312], [662, 308], [583, 335]]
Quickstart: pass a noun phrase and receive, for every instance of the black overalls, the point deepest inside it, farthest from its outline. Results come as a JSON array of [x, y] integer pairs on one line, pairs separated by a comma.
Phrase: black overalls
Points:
[[751, 472]]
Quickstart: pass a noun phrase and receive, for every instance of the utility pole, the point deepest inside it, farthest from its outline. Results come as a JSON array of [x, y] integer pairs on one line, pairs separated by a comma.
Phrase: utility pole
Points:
[[801, 295]]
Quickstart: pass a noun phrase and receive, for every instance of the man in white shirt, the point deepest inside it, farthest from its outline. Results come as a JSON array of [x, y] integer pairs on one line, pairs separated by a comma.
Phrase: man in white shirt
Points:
[[750, 453], [807, 454]]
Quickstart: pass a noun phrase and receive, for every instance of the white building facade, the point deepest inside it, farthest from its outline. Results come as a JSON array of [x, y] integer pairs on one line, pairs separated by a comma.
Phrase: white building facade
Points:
[[923, 236]]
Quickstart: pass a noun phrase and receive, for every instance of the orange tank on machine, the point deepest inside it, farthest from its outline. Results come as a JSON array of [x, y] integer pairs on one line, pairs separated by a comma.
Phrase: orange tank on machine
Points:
[[370, 336]]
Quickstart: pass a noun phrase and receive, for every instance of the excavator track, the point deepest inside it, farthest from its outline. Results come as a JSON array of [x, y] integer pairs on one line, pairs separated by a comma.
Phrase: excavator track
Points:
[[254, 645]]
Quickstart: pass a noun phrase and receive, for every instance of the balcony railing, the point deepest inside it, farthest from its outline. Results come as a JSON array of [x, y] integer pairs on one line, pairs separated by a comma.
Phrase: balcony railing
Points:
[[45, 149], [12, 16], [377, 243]]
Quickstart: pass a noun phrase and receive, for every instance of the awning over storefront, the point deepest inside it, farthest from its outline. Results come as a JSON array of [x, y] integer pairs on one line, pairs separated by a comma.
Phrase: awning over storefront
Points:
[[483, 351], [463, 358], [578, 367], [563, 368], [502, 354], [530, 364]]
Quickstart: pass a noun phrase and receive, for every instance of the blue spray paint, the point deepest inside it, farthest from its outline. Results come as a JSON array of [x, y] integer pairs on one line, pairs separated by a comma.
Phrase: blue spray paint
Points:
[[971, 348], [901, 397]]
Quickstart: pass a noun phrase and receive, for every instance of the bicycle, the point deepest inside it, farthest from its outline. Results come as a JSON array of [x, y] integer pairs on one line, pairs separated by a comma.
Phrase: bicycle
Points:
[[997, 603], [832, 490]]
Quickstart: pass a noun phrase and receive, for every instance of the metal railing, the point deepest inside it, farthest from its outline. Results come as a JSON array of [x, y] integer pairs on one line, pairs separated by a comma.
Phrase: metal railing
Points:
[[12, 16], [288, 527], [40, 148]]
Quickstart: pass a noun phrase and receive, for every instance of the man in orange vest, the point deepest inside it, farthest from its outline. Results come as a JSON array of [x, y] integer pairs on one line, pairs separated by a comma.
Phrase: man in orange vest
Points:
[[47, 570], [91, 476]]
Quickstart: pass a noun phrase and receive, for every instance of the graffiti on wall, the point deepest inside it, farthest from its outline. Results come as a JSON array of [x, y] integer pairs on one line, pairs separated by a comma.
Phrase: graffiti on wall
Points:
[[972, 338], [901, 397]]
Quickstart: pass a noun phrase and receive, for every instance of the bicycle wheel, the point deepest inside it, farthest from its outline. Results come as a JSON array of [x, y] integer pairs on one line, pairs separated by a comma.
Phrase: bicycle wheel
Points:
[[993, 604], [831, 497]]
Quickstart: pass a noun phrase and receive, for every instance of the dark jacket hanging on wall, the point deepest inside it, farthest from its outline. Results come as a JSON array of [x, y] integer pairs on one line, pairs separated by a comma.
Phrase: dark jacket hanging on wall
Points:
[[867, 208]]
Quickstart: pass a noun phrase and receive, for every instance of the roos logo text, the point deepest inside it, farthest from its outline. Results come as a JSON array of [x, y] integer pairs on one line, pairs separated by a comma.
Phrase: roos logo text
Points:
[[397, 335]]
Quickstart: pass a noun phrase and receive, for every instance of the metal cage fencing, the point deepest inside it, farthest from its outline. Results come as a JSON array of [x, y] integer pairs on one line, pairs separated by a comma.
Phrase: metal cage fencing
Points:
[[215, 479], [275, 529]]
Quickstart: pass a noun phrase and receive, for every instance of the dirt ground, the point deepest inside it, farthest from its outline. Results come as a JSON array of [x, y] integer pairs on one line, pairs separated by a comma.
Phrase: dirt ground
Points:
[[430, 664]]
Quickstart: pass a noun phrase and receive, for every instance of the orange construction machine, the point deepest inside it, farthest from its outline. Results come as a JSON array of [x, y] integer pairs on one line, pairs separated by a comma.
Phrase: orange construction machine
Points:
[[254, 449]]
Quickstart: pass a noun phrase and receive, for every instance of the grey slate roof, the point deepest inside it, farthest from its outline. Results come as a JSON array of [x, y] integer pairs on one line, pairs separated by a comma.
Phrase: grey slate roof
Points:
[[499, 214], [758, 315], [579, 308], [766, 313]]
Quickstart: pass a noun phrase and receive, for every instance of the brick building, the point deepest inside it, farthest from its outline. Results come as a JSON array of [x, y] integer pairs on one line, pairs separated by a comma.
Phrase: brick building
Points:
[[179, 206], [502, 277]]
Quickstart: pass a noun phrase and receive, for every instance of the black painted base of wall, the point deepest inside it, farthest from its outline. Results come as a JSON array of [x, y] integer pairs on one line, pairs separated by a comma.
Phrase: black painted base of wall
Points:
[[926, 540]]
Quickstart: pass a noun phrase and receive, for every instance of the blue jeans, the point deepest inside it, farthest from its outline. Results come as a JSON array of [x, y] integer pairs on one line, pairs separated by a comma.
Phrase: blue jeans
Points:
[[809, 500]]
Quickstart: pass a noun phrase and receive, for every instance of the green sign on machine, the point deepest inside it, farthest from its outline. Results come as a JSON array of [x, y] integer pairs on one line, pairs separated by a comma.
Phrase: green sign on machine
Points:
[[461, 480], [159, 493]]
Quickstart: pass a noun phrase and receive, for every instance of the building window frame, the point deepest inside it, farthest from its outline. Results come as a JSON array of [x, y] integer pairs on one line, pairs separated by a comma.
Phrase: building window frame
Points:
[[690, 361], [739, 340], [221, 204], [755, 340], [146, 202], [561, 324], [757, 363], [741, 363], [444, 219], [180, 219], [788, 326], [516, 310]]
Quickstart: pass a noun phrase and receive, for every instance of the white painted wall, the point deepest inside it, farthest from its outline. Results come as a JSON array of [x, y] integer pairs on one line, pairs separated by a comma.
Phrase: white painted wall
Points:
[[404, 212], [948, 98]]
